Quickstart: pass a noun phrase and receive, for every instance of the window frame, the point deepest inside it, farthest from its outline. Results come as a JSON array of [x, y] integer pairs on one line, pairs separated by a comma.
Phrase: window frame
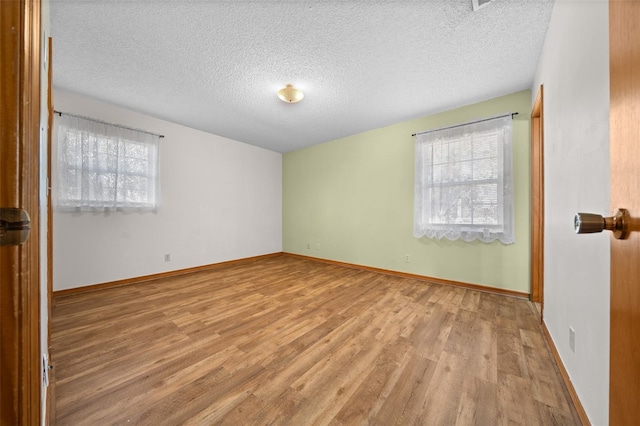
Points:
[[96, 156], [427, 188]]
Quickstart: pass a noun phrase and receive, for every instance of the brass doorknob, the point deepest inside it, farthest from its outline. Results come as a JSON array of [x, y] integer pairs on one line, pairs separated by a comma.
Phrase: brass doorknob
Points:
[[588, 223], [15, 225]]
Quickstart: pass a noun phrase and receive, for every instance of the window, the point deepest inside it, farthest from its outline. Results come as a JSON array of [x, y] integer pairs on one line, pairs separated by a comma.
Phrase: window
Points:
[[105, 167], [464, 183]]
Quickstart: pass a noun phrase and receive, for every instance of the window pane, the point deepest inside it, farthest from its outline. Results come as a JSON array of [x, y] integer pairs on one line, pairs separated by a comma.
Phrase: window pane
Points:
[[485, 214], [485, 193], [486, 168], [100, 168], [461, 171], [460, 149], [463, 177], [484, 147]]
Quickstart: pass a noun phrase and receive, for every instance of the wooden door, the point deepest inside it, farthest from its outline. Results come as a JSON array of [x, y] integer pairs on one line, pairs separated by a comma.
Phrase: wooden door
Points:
[[624, 51], [19, 170]]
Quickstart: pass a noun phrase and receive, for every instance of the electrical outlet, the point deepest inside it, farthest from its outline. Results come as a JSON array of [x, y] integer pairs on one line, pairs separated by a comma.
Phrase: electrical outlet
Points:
[[572, 339], [407, 258], [167, 257], [308, 246]]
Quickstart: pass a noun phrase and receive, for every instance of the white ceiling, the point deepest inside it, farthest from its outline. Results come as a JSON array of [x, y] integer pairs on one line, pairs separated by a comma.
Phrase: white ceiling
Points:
[[217, 65]]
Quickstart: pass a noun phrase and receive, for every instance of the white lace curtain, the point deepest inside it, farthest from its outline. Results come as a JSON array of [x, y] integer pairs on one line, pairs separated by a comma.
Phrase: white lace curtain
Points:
[[464, 182], [104, 167]]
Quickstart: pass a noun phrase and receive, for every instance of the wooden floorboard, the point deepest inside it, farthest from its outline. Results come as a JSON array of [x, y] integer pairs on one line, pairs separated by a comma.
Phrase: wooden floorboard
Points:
[[290, 341]]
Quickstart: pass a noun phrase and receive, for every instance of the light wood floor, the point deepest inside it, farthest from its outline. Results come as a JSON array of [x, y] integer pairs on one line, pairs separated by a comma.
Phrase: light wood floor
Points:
[[291, 341]]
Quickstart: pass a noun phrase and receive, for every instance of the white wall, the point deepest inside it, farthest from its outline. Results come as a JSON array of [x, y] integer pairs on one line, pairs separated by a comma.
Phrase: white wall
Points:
[[574, 68], [44, 120], [220, 200]]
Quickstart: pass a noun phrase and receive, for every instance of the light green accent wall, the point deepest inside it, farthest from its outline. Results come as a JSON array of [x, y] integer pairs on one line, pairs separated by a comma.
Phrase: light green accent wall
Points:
[[351, 200]]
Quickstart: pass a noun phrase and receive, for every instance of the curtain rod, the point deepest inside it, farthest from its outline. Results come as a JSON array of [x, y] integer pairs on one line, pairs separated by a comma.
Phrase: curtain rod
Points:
[[104, 122], [512, 114]]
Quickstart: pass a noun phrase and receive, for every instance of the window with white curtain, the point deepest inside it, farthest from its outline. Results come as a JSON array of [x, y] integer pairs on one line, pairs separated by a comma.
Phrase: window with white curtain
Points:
[[105, 167], [464, 182]]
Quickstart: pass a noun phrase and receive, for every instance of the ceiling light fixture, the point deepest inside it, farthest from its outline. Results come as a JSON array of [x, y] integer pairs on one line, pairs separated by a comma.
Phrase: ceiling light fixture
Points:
[[479, 4], [290, 94]]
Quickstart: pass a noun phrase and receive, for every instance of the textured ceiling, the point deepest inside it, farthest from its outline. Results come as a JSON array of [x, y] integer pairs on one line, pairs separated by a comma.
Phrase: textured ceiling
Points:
[[217, 65]]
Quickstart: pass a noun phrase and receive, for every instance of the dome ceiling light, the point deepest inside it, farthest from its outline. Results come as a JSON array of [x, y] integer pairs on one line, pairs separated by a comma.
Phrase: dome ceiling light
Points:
[[290, 94]]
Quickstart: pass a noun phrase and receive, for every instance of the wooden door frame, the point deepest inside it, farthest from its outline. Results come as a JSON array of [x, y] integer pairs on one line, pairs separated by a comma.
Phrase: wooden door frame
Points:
[[20, 370], [537, 199]]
